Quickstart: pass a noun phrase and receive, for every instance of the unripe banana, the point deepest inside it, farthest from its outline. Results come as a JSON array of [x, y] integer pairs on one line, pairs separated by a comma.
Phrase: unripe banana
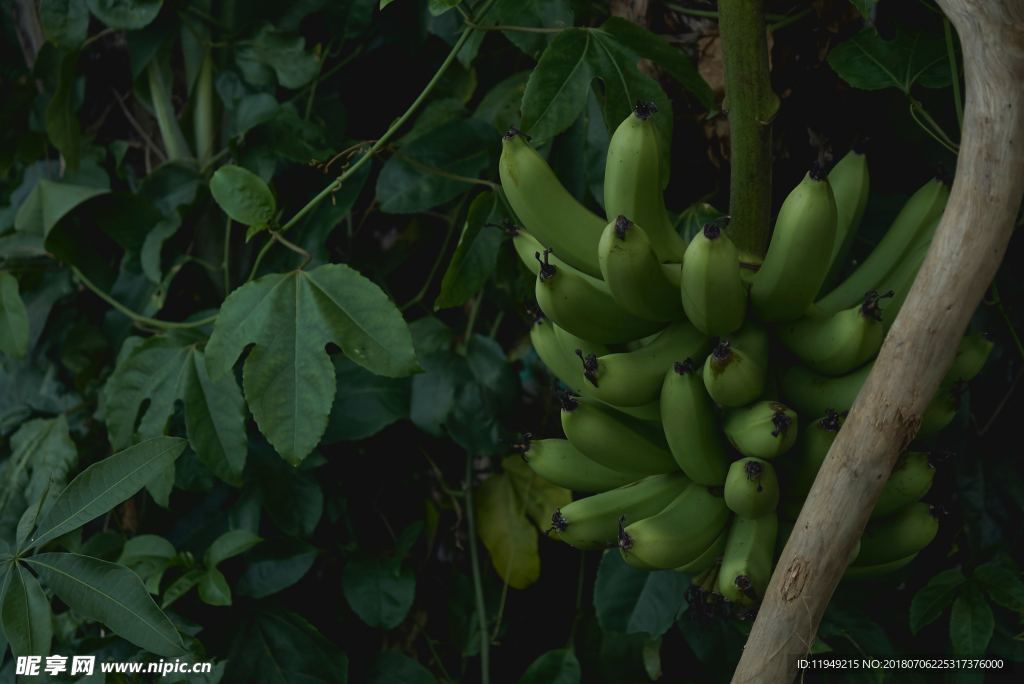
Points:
[[570, 343], [910, 480], [613, 440], [850, 187], [635, 378], [677, 535], [583, 309], [736, 370], [798, 255], [751, 488], [901, 277], [801, 466], [710, 556], [691, 426], [923, 207], [528, 247], [812, 394], [713, 293], [764, 429], [747, 559], [562, 464], [546, 208], [633, 182], [634, 275], [970, 358], [940, 412], [593, 522], [869, 572], [897, 536]]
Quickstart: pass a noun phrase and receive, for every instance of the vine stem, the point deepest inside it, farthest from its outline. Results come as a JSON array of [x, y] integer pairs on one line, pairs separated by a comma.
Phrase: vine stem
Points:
[[958, 101], [135, 316], [397, 124], [478, 587], [751, 107]]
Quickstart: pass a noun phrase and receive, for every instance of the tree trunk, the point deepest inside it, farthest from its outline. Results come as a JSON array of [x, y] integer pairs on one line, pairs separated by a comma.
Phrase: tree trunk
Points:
[[964, 256]]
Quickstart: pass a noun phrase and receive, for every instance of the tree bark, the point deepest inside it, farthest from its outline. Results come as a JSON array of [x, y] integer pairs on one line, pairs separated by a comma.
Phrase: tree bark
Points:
[[961, 262]]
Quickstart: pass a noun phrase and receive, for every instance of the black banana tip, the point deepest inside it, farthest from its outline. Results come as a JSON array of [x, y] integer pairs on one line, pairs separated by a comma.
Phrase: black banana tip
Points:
[[832, 421], [753, 470], [625, 541], [780, 420], [818, 170], [547, 269], [558, 521], [622, 225], [645, 110], [722, 350], [712, 231], [872, 305], [513, 133], [568, 401], [684, 367], [523, 445], [589, 366]]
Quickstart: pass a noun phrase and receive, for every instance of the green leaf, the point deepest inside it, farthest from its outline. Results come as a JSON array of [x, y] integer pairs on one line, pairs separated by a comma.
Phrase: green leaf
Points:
[[181, 586], [215, 419], [283, 648], [971, 624], [105, 484], [475, 256], [392, 667], [933, 598], [26, 618], [148, 555], [49, 202], [111, 594], [866, 8], [633, 601], [13, 318], [557, 89], [275, 566], [61, 119], [417, 177], [214, 589], [503, 503], [65, 22], [535, 14], [228, 545], [869, 62], [364, 403], [671, 59], [439, 7], [1002, 583], [500, 106], [290, 318], [126, 14], [554, 667], [243, 196], [379, 590], [284, 54]]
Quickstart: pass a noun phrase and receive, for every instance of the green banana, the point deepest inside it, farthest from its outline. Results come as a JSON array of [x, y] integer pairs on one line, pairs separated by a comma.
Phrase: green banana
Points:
[[583, 309], [562, 464], [635, 378], [691, 426], [897, 536], [713, 292], [798, 255], [751, 488], [545, 207], [763, 429], [747, 559], [593, 522], [812, 394], [851, 185], [923, 207], [735, 372], [679, 534], [799, 469], [634, 274], [900, 279], [970, 358], [910, 480], [528, 247], [709, 557], [837, 344], [940, 412], [613, 440], [868, 572], [570, 343], [633, 182]]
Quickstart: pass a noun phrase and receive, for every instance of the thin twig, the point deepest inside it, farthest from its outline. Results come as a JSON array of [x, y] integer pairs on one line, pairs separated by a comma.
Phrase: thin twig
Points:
[[478, 587], [134, 315]]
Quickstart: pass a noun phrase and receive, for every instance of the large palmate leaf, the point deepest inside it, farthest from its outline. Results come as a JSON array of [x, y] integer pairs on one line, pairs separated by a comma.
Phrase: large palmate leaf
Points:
[[288, 378], [25, 613], [281, 648], [111, 594], [165, 369], [49, 202], [105, 484], [633, 601], [505, 504], [869, 62]]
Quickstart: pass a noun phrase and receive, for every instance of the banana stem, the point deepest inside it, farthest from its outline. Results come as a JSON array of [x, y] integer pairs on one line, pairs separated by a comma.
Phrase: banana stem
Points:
[[478, 586], [751, 107]]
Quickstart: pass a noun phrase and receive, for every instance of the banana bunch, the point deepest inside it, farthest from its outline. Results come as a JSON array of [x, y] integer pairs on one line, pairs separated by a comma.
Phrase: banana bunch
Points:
[[703, 393]]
